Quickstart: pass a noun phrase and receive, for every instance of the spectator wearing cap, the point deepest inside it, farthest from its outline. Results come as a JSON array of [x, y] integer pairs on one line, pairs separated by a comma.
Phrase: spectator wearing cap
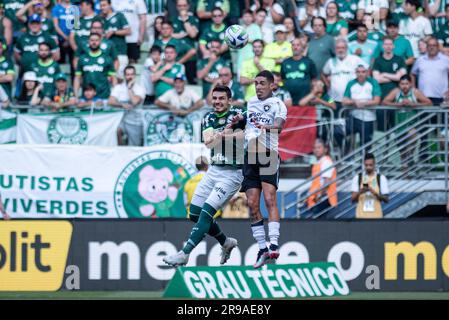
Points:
[[7, 71], [402, 47], [443, 33], [37, 7], [432, 72], [215, 31], [163, 78], [180, 100], [279, 50], [225, 78], [62, 96], [298, 73], [185, 53], [130, 96], [6, 28], [252, 66], [30, 93], [313, 8], [321, 45], [46, 69], [416, 26], [361, 93], [209, 68], [27, 46], [362, 46]]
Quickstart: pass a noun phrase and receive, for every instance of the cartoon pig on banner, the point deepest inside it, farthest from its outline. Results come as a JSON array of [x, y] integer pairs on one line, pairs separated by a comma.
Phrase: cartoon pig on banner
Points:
[[154, 187]]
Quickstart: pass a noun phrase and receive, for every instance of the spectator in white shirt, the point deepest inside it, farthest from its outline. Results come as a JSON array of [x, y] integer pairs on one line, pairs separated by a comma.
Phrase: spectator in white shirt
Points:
[[151, 65], [180, 100], [416, 26], [130, 96]]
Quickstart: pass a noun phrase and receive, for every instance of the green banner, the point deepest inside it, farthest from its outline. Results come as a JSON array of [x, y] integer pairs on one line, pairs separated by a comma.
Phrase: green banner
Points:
[[244, 282]]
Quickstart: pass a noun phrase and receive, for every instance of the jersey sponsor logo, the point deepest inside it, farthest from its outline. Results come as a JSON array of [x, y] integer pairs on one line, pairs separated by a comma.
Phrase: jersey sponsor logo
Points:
[[67, 130], [166, 128], [83, 32], [93, 68], [295, 75], [14, 6], [152, 186], [45, 79], [31, 48]]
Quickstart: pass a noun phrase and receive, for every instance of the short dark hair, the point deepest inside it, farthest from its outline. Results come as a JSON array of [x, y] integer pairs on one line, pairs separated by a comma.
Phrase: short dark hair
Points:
[[89, 2], [446, 6], [388, 38], [362, 25], [319, 18], [97, 20], [369, 156], [405, 77], [108, 1], [90, 86], [392, 23], [221, 88], [217, 9], [276, 74], [415, 3], [261, 42], [95, 34], [167, 22], [156, 48], [129, 67], [45, 44], [170, 46], [261, 9], [267, 75]]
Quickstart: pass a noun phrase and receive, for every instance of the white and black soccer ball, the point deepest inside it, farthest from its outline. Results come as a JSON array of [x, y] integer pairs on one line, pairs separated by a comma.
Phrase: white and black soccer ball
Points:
[[236, 36]]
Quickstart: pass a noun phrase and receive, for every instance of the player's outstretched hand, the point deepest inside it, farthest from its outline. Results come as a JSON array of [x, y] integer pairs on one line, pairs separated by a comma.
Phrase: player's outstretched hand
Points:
[[236, 119]]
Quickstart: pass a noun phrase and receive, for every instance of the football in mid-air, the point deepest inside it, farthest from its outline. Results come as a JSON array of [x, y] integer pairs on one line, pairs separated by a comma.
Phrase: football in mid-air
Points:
[[236, 36]]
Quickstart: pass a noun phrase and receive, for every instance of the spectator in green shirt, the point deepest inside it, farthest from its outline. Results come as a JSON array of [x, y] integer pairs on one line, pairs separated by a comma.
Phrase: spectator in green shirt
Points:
[[215, 31], [184, 51], [204, 11], [164, 78], [6, 70], [402, 47], [185, 24], [46, 69], [225, 79], [335, 26], [62, 96]]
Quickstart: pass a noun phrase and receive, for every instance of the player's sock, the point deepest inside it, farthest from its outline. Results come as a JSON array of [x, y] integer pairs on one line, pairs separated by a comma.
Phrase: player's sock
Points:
[[273, 233], [201, 228], [214, 230], [259, 234]]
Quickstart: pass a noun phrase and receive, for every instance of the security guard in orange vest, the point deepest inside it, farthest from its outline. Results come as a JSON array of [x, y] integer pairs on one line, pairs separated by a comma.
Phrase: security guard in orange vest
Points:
[[323, 191]]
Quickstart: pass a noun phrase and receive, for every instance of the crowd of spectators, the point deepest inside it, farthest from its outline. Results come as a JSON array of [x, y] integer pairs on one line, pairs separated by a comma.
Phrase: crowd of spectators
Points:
[[335, 53]]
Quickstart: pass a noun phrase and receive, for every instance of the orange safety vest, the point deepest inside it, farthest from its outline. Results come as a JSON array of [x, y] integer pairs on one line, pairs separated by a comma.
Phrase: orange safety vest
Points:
[[316, 185]]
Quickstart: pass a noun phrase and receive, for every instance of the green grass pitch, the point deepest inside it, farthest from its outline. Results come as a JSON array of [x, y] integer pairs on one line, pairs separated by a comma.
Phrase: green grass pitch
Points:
[[151, 295]]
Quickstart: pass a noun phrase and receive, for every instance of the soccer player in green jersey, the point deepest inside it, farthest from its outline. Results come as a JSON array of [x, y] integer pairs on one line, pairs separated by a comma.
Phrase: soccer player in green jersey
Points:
[[222, 180]]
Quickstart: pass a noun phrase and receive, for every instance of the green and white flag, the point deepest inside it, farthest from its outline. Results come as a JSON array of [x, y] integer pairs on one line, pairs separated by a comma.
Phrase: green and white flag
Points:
[[164, 127], [99, 128], [8, 123]]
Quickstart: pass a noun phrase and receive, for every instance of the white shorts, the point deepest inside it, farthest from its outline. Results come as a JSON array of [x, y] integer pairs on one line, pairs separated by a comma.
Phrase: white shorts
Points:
[[217, 187]]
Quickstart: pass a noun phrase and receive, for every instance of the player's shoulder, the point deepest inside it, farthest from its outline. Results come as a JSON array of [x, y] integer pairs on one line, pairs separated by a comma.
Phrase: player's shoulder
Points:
[[253, 100]]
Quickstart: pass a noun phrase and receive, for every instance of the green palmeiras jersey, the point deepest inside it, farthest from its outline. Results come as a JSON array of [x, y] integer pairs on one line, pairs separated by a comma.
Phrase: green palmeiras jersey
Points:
[[178, 26], [181, 46], [11, 8], [160, 87], [95, 68], [6, 67], [106, 46], [213, 72], [28, 46], [83, 31], [117, 21], [46, 72], [229, 152]]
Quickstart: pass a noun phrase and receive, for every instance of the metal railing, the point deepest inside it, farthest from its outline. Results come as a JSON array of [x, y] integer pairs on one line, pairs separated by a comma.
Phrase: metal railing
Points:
[[428, 123]]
